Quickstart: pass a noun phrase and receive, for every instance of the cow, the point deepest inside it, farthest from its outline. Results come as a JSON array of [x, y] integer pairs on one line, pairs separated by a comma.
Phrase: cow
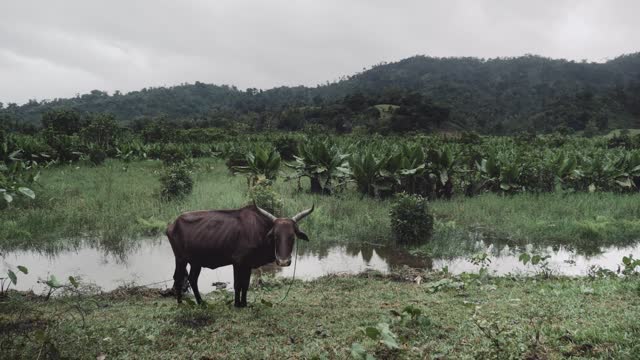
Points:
[[246, 238]]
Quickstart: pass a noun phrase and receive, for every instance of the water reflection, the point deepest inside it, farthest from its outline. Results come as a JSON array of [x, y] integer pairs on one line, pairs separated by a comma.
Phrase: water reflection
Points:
[[150, 261]]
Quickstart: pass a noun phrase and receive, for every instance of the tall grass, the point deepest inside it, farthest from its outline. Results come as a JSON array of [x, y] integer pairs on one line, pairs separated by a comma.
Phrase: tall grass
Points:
[[582, 220]]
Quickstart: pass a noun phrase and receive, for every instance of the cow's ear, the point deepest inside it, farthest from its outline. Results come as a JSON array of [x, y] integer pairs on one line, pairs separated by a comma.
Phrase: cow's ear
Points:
[[301, 235], [270, 234]]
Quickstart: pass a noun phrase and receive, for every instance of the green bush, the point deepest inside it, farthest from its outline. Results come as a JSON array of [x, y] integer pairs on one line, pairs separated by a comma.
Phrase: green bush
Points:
[[176, 182], [286, 146], [172, 153], [411, 222], [96, 154], [265, 197]]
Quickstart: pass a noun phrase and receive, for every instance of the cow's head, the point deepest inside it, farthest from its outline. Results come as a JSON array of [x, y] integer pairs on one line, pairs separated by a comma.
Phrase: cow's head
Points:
[[284, 233]]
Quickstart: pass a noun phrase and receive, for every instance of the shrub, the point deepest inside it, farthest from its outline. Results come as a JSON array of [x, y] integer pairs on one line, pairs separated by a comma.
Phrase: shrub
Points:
[[172, 153], [411, 221], [176, 182], [286, 146], [265, 197], [96, 154]]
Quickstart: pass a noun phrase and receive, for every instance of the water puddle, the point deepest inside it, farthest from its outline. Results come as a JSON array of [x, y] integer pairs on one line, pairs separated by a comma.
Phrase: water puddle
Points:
[[561, 262], [151, 262]]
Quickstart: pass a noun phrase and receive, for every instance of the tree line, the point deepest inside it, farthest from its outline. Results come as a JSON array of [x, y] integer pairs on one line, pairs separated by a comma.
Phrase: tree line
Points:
[[491, 96]]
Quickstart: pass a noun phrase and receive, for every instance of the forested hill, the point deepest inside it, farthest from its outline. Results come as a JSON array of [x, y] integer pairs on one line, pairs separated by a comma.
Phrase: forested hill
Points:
[[418, 93]]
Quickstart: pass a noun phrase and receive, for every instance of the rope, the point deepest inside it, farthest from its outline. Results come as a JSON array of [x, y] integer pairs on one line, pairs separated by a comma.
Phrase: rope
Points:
[[293, 278], [155, 283]]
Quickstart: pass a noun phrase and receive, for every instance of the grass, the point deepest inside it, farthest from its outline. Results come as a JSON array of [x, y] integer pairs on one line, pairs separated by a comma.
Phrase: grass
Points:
[[465, 317], [584, 221], [528, 318], [115, 203], [108, 205]]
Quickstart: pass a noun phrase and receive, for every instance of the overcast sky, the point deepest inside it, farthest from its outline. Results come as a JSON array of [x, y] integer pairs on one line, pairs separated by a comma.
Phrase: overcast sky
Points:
[[59, 48]]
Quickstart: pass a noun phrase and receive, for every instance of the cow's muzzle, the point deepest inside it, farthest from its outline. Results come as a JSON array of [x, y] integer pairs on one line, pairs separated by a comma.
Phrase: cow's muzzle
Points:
[[283, 262]]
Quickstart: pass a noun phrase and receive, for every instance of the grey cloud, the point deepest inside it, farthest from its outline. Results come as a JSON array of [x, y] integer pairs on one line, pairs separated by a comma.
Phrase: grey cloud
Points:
[[60, 48]]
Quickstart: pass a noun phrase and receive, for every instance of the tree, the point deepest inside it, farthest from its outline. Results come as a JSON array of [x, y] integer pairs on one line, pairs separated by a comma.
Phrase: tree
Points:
[[102, 130], [63, 121]]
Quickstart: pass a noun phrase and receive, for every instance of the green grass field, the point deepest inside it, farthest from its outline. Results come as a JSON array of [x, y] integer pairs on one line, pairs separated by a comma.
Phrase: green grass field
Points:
[[118, 202], [460, 318], [470, 316]]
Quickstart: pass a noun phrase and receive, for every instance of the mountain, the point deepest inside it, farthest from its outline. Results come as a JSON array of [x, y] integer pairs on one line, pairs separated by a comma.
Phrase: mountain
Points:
[[487, 95]]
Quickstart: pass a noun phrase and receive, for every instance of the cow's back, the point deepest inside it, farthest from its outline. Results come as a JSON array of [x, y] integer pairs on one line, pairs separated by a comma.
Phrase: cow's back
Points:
[[216, 238]]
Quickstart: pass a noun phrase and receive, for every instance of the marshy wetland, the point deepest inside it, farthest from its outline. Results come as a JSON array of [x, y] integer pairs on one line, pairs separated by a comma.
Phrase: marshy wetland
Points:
[[505, 270]]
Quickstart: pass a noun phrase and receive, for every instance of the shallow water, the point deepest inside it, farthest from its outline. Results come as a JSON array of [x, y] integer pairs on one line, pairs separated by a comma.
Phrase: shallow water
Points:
[[562, 261], [150, 262]]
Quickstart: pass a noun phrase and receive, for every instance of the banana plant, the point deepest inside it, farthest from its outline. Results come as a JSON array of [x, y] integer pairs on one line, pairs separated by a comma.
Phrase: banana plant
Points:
[[322, 162], [598, 172], [628, 177], [408, 166], [564, 167], [441, 163], [500, 177], [261, 164], [369, 173]]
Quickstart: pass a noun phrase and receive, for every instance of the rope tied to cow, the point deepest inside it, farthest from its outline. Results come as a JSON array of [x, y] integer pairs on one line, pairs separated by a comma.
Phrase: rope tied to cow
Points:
[[293, 277]]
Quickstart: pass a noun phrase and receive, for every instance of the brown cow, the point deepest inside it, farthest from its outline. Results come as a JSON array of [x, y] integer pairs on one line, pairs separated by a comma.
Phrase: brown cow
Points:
[[246, 238]]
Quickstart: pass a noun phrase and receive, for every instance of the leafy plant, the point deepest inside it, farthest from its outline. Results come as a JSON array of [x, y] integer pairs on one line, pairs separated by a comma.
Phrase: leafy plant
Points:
[[539, 261], [16, 178], [12, 278], [170, 153], [263, 195], [97, 155], [176, 182], [380, 333], [411, 222], [368, 172], [322, 162], [630, 264], [261, 164]]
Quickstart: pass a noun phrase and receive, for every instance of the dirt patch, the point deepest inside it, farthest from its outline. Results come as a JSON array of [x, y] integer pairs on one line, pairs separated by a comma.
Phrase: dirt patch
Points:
[[125, 292], [194, 320], [21, 326]]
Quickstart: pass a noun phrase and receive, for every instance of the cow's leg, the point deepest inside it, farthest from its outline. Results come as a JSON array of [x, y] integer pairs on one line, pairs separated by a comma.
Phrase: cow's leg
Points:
[[237, 285], [194, 272], [241, 277], [246, 275], [178, 278]]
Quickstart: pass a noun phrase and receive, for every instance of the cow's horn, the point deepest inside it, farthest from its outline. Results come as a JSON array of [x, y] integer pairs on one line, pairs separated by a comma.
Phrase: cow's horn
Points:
[[265, 213], [303, 214]]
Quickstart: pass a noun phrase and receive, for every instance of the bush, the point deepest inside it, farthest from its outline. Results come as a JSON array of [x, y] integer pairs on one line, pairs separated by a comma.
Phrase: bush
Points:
[[176, 182], [286, 146], [172, 153], [411, 221], [96, 155], [265, 197]]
